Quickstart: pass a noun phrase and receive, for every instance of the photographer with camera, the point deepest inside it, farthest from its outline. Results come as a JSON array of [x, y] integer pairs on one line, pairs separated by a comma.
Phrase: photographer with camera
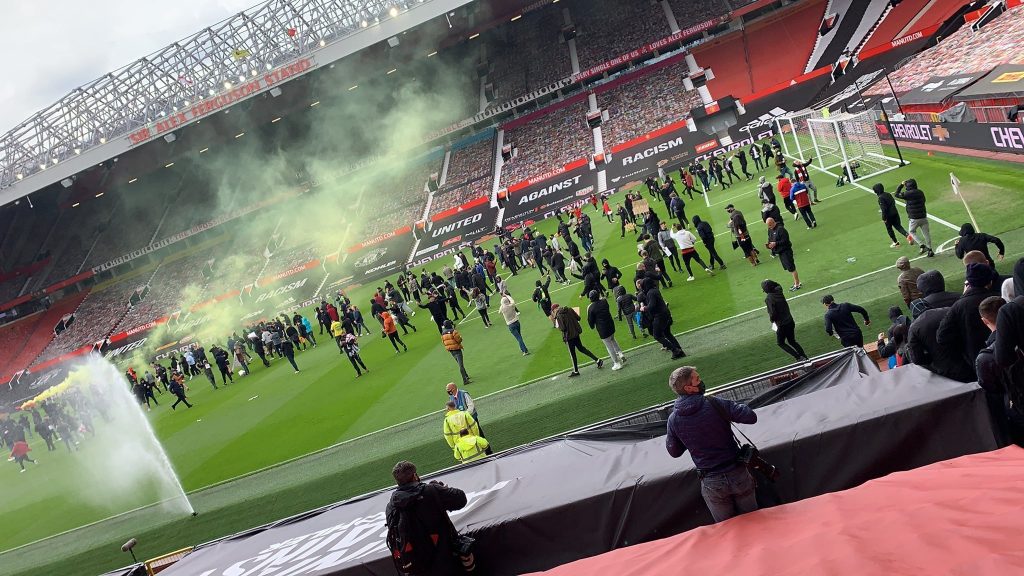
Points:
[[702, 425], [421, 537]]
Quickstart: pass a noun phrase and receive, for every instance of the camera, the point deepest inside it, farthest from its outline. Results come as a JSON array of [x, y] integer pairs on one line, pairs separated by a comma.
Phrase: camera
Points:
[[751, 458]]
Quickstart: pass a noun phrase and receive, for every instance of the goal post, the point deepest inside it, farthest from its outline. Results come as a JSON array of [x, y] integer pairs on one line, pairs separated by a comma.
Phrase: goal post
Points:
[[849, 144], [794, 133]]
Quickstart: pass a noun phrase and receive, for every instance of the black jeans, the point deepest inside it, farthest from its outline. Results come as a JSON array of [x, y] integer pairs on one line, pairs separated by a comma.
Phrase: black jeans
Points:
[[356, 363], [291, 360], [395, 341], [785, 337], [692, 255], [850, 339], [457, 354], [895, 224], [662, 333], [673, 259], [713, 255], [574, 345]]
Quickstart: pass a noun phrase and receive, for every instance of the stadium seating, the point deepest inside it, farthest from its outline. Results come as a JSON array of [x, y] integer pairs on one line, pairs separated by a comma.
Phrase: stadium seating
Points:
[[455, 197], [42, 331], [540, 57], [469, 163], [645, 103], [691, 12], [762, 65], [547, 143], [612, 28], [910, 16], [173, 282], [287, 259], [963, 51], [95, 318], [12, 340]]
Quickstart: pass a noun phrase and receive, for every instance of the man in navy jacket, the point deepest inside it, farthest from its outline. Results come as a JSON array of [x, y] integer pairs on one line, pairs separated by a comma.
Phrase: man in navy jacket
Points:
[[701, 425]]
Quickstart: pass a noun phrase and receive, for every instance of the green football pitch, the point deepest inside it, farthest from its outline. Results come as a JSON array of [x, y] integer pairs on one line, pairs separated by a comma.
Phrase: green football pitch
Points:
[[278, 443]]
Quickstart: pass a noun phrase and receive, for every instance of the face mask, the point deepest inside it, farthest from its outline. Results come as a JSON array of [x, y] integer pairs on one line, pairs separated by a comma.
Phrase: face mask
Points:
[[700, 386]]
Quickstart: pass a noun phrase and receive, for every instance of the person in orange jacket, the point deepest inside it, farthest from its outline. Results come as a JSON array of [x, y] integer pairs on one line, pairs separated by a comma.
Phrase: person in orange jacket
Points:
[[391, 331]]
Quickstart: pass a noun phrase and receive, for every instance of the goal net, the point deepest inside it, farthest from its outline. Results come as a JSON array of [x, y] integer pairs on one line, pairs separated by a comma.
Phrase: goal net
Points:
[[849, 144], [795, 135]]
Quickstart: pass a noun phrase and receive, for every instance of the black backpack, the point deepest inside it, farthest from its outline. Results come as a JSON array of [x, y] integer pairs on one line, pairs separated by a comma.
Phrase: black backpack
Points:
[[412, 547]]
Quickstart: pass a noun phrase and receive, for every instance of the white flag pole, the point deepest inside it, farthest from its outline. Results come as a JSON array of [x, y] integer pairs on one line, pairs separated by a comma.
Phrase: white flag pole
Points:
[[955, 182]]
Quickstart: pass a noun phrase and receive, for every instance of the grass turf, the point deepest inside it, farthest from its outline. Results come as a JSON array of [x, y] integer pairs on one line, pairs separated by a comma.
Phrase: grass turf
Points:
[[274, 415]]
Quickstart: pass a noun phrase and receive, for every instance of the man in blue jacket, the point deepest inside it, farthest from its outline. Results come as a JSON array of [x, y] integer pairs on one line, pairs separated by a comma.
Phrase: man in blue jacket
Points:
[[701, 425]]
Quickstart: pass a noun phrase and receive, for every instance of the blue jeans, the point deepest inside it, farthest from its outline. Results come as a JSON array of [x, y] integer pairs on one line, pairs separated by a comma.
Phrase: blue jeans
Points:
[[514, 329], [729, 493]]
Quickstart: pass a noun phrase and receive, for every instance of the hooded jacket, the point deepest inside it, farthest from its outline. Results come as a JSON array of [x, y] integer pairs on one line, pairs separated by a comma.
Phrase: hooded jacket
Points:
[[970, 240], [624, 300], [697, 425], [428, 504], [707, 236], [775, 302], [932, 286], [568, 322], [886, 203], [961, 330], [914, 197], [924, 349], [599, 317], [451, 339]]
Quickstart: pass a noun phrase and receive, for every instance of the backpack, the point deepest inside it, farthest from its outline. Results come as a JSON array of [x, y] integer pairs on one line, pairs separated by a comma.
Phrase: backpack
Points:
[[412, 548]]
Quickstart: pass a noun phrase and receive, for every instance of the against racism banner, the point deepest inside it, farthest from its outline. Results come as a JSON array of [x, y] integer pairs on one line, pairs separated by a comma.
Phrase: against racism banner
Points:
[[543, 199]]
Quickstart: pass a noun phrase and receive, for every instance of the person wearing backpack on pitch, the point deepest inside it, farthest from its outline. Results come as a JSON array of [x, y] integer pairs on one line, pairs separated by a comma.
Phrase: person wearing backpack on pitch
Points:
[[421, 537]]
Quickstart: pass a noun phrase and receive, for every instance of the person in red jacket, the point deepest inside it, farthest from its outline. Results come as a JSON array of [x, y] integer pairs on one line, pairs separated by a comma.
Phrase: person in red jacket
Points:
[[391, 331], [784, 187], [798, 193], [20, 454]]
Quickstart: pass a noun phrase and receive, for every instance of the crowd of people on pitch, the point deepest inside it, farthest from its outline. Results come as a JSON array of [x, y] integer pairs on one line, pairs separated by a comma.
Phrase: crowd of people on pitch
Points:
[[67, 418]]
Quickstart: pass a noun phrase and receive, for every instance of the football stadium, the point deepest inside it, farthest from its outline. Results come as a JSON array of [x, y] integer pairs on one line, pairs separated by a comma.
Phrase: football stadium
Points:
[[631, 284]]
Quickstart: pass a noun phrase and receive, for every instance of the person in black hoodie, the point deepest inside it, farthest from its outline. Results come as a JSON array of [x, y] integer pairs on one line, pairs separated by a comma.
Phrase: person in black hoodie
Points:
[[917, 214], [438, 310], [962, 330], [933, 287], [707, 236], [417, 517], [778, 313], [599, 317], [542, 297], [609, 273], [891, 216], [970, 240], [568, 321], [661, 319], [991, 377]]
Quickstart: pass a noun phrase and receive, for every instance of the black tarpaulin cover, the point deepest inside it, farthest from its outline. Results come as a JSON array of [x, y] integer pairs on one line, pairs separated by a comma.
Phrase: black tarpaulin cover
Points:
[[565, 499], [938, 88], [1004, 81]]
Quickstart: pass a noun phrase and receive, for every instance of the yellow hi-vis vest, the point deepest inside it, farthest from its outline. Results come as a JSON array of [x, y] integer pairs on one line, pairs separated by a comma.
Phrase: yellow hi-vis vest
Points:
[[456, 421], [469, 448]]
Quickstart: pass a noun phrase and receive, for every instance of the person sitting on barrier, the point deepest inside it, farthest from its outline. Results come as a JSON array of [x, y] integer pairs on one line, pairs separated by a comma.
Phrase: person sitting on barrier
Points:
[[701, 424]]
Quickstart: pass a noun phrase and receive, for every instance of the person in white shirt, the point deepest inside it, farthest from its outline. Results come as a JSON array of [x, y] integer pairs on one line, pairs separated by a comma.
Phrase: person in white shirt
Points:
[[685, 241]]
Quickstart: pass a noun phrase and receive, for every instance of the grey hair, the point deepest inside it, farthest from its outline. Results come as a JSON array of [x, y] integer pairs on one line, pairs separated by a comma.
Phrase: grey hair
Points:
[[680, 377]]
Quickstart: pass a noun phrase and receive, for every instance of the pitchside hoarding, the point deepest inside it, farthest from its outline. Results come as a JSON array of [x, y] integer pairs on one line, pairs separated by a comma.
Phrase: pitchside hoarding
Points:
[[381, 256], [455, 229], [993, 137], [540, 200]]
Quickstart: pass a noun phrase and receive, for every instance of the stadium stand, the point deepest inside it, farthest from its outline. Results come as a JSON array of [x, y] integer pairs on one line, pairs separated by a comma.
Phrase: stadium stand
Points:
[[469, 163], [690, 12], [285, 260], [540, 57], [794, 29], [42, 331], [645, 103], [547, 142], [910, 16], [962, 52], [166, 290], [455, 197], [407, 200], [95, 318], [612, 28], [13, 337]]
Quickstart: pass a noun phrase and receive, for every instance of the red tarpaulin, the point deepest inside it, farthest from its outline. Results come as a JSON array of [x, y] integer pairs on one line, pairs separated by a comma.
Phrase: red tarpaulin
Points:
[[961, 516]]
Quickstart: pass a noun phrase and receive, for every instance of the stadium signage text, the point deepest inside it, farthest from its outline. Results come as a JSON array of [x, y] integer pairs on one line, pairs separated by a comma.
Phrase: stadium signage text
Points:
[[458, 224], [540, 193], [219, 101], [993, 137], [1008, 137], [282, 290], [500, 108], [653, 151]]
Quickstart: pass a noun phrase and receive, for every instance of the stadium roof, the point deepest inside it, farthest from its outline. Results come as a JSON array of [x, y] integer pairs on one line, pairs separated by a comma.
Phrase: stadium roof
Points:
[[250, 53]]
